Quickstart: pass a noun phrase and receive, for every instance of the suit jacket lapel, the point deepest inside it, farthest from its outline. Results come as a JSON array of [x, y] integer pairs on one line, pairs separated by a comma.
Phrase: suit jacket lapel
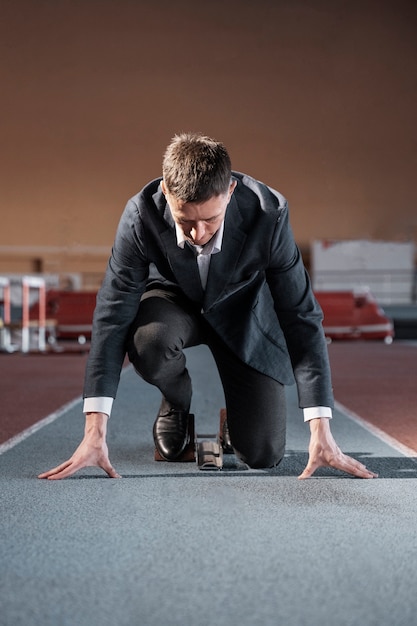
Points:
[[182, 261], [184, 266]]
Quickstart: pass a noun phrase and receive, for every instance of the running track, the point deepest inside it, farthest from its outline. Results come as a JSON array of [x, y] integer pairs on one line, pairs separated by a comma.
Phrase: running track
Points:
[[373, 381]]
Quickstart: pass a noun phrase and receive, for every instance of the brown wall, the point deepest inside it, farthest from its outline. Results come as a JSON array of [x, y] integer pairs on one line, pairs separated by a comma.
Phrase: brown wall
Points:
[[315, 97]]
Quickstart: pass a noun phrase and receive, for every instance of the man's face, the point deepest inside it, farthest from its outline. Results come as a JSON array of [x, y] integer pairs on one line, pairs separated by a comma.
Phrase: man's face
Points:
[[199, 221]]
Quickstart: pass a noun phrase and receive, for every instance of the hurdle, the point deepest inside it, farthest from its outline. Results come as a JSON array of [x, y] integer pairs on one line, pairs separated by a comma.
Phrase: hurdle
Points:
[[6, 321], [29, 283]]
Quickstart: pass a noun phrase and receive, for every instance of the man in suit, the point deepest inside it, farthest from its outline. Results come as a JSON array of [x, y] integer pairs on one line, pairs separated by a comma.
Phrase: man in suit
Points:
[[207, 255]]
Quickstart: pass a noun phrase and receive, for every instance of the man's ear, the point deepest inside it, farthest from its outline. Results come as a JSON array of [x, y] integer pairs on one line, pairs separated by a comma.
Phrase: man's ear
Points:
[[164, 187], [232, 188]]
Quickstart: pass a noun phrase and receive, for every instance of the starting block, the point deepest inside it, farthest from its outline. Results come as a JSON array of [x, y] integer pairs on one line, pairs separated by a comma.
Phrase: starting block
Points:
[[206, 450]]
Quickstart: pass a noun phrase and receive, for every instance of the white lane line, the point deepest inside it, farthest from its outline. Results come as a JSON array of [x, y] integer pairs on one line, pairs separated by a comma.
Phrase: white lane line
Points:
[[11, 443], [14, 441], [374, 430]]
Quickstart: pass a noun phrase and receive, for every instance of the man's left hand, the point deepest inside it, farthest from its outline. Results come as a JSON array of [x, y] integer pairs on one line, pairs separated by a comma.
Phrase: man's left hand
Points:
[[324, 452]]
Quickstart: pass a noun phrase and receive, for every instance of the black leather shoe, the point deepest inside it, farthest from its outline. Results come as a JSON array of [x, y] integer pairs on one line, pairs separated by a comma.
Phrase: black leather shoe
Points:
[[170, 432]]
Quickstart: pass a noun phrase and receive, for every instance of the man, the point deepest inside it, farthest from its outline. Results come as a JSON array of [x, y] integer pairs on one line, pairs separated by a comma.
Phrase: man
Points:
[[206, 255]]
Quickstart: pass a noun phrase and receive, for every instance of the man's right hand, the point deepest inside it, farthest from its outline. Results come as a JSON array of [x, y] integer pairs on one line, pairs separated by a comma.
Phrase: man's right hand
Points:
[[92, 451]]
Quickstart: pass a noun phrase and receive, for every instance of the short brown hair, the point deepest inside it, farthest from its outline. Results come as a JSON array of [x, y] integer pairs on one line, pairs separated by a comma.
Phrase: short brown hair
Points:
[[196, 168]]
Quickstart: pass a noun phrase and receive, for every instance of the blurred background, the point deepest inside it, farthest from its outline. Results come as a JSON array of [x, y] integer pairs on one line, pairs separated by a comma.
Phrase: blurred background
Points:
[[317, 98]]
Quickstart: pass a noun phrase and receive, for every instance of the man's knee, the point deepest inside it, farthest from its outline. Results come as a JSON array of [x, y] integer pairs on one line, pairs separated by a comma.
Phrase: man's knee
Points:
[[150, 349], [261, 457]]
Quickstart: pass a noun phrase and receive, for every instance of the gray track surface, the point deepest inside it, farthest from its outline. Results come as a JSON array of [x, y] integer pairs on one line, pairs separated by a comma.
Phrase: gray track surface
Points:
[[170, 545]]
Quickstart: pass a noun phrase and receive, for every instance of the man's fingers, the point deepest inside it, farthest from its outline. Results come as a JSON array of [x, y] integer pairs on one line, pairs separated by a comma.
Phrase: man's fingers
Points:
[[55, 470], [110, 471], [344, 463], [69, 468], [354, 467], [61, 471], [308, 471]]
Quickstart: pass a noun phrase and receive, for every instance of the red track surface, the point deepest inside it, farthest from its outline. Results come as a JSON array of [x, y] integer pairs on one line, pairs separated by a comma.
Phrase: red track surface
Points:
[[35, 385], [375, 381], [378, 383]]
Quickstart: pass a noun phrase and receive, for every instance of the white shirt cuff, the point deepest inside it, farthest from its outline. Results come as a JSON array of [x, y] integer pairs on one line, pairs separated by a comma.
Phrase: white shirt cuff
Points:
[[313, 412], [98, 405]]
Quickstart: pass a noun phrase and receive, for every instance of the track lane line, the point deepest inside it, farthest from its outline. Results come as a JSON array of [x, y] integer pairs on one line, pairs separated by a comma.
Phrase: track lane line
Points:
[[45, 421], [377, 432], [13, 441]]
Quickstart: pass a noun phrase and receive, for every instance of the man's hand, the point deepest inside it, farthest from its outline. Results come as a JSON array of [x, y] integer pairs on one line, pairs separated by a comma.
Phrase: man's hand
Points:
[[324, 452], [92, 451]]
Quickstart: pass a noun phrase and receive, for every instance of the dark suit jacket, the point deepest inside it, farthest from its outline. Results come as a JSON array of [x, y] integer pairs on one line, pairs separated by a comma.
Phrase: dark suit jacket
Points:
[[258, 296]]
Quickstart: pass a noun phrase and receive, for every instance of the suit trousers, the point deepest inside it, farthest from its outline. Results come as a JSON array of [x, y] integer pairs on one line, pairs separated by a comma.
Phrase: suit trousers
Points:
[[166, 324]]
